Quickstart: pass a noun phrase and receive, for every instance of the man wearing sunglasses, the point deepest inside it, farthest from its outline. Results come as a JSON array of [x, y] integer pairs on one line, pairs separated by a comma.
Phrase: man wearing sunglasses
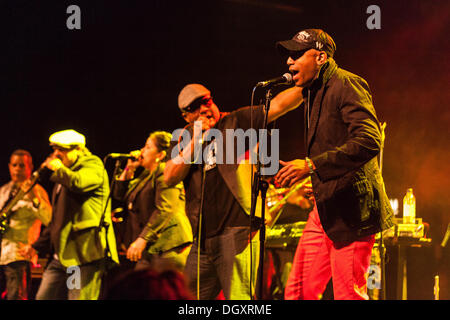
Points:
[[222, 193], [343, 139]]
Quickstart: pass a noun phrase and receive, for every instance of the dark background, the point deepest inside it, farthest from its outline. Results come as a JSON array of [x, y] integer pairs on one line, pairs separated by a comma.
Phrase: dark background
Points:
[[118, 78]]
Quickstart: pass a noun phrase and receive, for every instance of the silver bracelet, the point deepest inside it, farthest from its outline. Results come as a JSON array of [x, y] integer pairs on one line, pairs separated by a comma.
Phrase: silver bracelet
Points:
[[308, 162]]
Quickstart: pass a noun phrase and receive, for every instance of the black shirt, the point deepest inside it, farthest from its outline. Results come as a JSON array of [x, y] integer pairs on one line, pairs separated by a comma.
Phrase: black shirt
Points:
[[221, 208]]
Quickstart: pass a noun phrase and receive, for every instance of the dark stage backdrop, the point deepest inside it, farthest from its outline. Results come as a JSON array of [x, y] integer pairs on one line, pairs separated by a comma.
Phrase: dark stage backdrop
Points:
[[117, 79]]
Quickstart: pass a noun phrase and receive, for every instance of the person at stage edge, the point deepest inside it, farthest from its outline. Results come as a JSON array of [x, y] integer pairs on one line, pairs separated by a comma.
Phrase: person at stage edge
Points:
[[24, 225], [229, 246], [80, 234], [157, 234], [342, 141]]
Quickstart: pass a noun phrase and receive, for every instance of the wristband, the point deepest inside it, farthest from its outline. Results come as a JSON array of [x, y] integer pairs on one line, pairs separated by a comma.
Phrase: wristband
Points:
[[308, 162]]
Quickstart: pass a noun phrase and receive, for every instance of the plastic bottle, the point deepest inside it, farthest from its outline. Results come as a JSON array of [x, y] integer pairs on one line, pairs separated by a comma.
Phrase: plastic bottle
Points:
[[409, 207]]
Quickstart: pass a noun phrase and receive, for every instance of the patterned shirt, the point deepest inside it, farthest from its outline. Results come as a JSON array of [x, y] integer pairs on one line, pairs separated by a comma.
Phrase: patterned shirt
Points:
[[25, 223]]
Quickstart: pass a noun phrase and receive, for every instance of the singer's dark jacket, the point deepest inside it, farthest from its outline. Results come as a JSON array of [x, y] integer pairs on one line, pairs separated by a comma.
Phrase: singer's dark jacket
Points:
[[156, 211], [343, 138]]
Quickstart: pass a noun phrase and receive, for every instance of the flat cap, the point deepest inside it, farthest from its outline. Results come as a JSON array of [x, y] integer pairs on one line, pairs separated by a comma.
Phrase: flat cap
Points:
[[190, 93], [67, 139]]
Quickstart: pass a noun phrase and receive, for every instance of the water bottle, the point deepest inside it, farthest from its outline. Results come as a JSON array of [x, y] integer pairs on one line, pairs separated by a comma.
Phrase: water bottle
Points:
[[409, 207]]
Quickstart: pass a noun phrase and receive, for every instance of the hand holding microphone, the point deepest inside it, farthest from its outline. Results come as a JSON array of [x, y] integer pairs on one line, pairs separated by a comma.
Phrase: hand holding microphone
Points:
[[134, 161], [52, 162]]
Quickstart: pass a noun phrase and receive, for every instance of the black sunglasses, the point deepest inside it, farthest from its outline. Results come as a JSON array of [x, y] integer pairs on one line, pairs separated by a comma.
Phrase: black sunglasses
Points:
[[296, 54], [197, 103]]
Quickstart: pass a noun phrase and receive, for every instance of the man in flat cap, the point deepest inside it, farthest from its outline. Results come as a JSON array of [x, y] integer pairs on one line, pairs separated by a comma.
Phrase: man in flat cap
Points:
[[343, 138], [228, 262], [80, 234]]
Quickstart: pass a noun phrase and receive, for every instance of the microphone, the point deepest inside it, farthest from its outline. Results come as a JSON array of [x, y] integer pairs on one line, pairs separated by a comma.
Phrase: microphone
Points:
[[284, 79], [122, 156]]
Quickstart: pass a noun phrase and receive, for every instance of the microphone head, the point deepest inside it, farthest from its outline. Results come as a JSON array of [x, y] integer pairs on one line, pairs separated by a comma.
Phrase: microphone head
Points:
[[131, 155], [288, 77], [284, 79]]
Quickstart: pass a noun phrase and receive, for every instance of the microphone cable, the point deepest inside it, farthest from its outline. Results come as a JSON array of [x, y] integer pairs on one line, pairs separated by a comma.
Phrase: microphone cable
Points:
[[200, 228]]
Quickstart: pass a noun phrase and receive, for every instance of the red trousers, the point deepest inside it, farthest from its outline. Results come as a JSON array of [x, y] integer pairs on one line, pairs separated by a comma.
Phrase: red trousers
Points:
[[317, 259]]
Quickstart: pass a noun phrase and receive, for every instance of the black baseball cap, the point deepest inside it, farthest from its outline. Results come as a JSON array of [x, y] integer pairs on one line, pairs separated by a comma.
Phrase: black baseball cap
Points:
[[308, 39]]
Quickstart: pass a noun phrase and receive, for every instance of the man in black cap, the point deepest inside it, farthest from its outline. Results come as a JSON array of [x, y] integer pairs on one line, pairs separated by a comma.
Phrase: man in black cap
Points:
[[342, 141], [222, 193]]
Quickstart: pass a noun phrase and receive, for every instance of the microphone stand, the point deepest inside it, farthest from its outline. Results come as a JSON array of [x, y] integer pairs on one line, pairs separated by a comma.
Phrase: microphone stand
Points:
[[260, 185], [381, 242], [446, 237], [111, 186], [440, 263]]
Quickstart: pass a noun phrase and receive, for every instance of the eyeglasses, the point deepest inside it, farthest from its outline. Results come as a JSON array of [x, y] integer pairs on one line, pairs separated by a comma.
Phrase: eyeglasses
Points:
[[296, 54], [197, 103]]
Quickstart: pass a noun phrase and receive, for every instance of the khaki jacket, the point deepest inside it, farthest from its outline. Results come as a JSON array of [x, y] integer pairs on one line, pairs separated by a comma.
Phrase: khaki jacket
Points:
[[80, 197]]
